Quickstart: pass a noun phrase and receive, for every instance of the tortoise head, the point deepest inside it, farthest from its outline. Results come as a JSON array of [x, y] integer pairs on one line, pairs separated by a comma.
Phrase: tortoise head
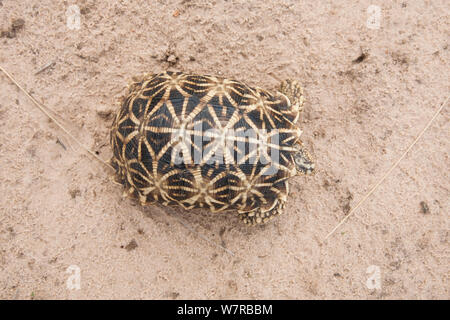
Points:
[[303, 161]]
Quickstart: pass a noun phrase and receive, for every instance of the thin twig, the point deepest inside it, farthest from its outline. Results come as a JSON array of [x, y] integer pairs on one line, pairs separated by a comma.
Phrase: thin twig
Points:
[[388, 172], [62, 144], [44, 110], [45, 67]]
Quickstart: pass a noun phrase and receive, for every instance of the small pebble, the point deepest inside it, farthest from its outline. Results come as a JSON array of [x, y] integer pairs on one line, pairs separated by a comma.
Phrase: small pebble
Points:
[[132, 245], [104, 111], [171, 59], [424, 207]]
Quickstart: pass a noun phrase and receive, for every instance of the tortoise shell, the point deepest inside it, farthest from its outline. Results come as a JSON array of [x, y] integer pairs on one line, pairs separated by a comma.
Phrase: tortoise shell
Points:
[[209, 142]]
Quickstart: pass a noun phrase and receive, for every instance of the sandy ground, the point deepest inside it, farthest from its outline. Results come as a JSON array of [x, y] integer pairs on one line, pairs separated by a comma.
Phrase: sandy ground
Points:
[[59, 208]]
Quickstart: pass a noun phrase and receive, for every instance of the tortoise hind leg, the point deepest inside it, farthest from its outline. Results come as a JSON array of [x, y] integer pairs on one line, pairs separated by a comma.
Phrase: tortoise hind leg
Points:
[[261, 215], [294, 92]]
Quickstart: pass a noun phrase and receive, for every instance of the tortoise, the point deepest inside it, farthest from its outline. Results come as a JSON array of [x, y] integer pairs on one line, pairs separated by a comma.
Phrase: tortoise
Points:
[[209, 142]]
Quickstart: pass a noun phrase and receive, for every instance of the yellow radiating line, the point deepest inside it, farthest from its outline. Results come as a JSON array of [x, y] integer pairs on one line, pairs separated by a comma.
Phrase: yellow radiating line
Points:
[[388, 172]]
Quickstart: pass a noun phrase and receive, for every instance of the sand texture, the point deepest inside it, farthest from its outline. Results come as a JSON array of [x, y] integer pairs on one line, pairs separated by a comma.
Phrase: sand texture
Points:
[[370, 85]]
